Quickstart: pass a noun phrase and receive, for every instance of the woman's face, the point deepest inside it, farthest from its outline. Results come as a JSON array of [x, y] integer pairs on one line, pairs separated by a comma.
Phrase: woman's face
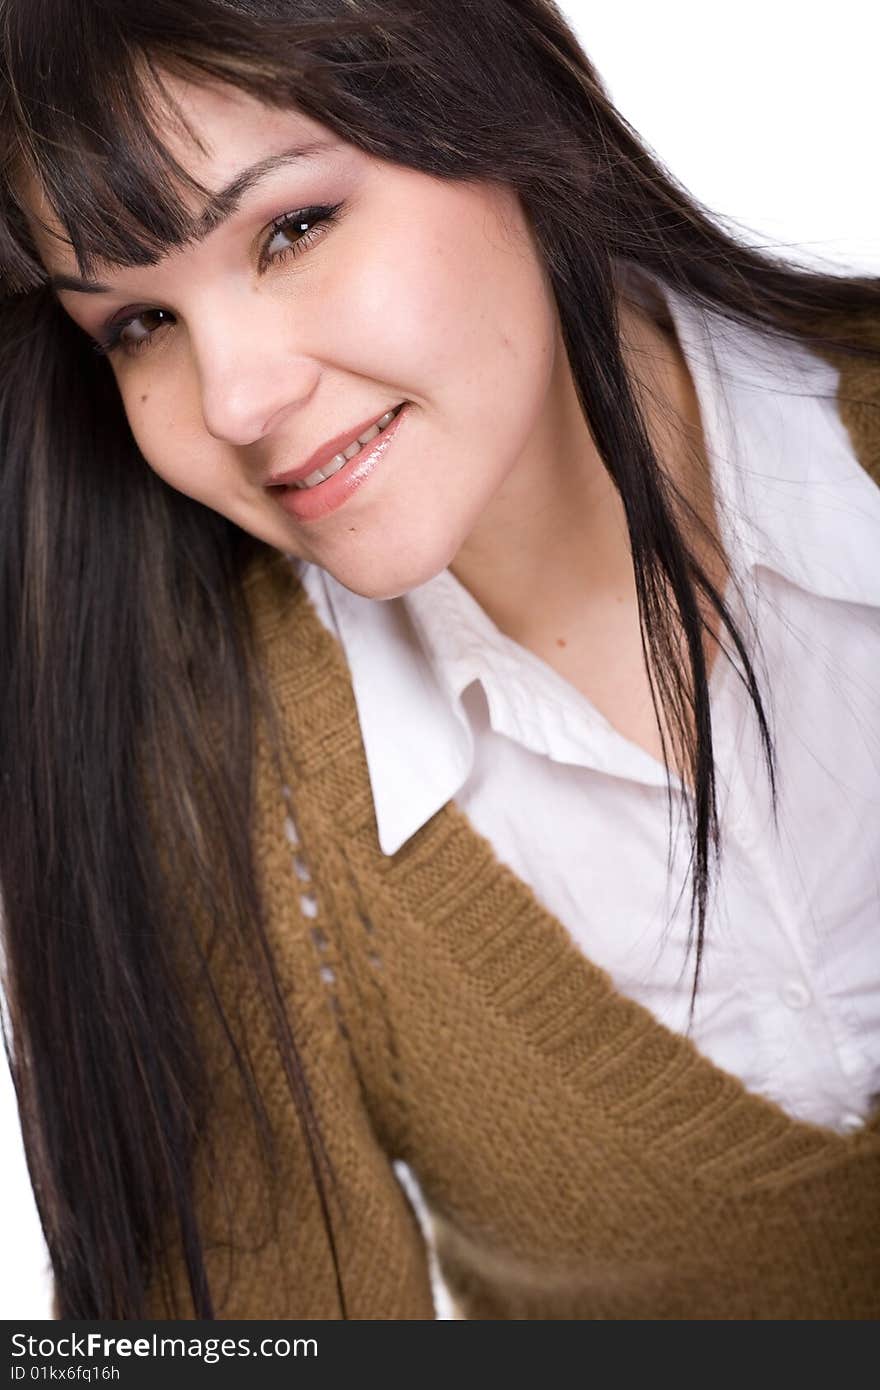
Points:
[[242, 354]]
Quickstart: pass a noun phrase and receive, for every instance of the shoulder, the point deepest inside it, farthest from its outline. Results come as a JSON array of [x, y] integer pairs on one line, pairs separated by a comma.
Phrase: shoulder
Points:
[[858, 393]]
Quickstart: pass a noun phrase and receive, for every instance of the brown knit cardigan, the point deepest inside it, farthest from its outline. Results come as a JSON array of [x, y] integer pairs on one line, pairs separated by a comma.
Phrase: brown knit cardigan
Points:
[[578, 1160]]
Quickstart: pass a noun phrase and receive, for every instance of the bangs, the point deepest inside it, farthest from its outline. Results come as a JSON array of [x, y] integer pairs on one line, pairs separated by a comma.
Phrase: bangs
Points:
[[80, 118]]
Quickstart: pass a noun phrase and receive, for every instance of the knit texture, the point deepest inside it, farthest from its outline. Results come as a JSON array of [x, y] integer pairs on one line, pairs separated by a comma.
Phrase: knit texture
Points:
[[578, 1159]]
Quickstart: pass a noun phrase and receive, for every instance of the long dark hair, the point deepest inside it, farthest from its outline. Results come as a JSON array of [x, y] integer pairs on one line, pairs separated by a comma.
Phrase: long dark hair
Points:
[[124, 634]]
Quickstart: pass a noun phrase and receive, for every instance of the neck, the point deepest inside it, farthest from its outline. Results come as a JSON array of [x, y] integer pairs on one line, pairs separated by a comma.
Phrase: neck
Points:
[[552, 552]]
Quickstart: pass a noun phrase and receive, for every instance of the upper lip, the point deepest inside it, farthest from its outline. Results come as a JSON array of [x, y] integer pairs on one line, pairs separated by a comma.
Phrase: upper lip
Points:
[[327, 451]]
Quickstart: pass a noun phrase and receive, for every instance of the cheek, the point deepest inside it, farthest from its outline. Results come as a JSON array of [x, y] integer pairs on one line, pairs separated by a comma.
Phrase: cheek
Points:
[[467, 328], [166, 422], [450, 302]]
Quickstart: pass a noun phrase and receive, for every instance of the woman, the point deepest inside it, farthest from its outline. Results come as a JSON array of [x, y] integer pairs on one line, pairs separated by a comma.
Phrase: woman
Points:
[[456, 544]]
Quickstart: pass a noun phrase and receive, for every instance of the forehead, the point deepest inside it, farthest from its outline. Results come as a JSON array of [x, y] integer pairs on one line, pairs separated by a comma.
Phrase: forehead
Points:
[[215, 133], [215, 130]]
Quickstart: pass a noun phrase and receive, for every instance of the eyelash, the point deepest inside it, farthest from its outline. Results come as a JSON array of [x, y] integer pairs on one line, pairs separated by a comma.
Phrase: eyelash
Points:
[[319, 220]]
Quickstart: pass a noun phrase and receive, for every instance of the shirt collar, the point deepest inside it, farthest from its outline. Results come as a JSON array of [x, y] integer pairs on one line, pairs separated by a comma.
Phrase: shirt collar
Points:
[[417, 740], [411, 660], [793, 496], [527, 700]]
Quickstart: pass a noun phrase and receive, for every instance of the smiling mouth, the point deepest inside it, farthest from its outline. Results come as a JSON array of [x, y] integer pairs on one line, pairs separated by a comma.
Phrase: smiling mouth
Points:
[[339, 460]]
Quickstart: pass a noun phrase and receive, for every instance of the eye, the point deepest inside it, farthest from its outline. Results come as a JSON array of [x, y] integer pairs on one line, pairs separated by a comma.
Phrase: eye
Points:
[[290, 235], [135, 332], [295, 232]]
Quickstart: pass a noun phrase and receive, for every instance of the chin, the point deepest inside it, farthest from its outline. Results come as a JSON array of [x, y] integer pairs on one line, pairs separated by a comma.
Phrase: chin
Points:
[[382, 588], [393, 575]]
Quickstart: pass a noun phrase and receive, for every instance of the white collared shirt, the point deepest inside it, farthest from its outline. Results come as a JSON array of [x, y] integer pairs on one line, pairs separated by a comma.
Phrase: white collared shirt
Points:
[[451, 708]]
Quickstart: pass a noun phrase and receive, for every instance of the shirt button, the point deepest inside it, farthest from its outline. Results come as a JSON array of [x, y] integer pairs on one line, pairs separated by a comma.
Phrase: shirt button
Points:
[[795, 995]]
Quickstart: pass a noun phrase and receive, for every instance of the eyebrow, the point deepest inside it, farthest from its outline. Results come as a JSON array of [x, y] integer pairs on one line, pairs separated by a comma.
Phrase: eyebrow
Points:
[[219, 208]]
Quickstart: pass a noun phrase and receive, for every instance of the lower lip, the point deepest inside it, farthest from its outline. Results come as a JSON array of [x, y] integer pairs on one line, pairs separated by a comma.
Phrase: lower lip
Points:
[[312, 503]]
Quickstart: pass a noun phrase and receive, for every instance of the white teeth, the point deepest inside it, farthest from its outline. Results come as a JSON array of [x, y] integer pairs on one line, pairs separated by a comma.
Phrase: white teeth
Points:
[[339, 460]]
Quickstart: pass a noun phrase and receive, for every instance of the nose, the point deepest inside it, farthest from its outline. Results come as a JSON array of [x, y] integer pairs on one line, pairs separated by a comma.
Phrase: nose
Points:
[[251, 378]]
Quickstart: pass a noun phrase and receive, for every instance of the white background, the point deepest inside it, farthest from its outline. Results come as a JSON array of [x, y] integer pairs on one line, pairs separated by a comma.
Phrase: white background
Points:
[[767, 113], [766, 110]]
